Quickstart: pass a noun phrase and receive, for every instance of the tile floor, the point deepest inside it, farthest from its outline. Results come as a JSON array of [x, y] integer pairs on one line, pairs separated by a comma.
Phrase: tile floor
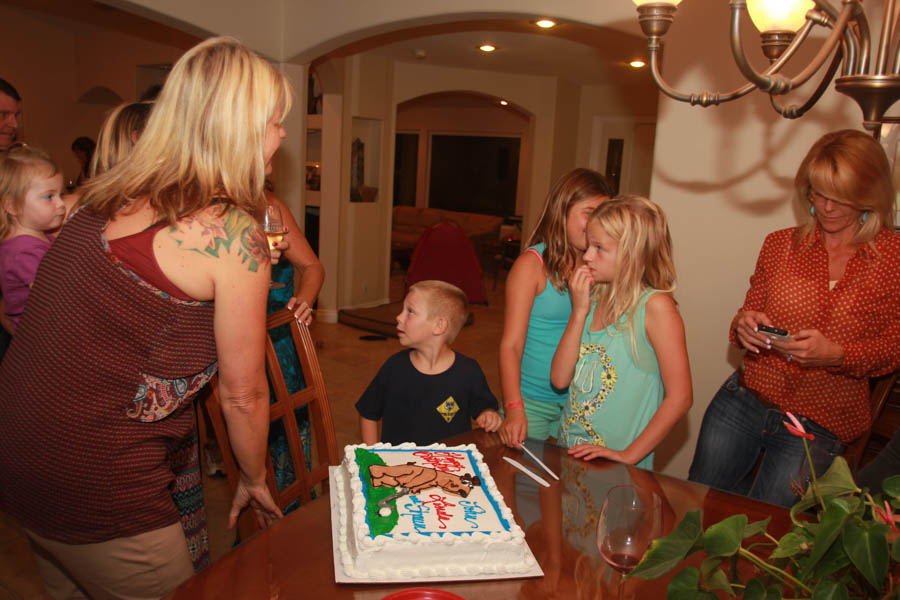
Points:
[[348, 365]]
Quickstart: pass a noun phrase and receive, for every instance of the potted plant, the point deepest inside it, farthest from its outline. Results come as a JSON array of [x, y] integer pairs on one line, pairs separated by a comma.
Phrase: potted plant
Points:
[[843, 543]]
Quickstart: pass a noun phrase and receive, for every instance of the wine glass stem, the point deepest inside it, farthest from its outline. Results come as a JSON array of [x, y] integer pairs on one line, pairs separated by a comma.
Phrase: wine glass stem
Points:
[[621, 586]]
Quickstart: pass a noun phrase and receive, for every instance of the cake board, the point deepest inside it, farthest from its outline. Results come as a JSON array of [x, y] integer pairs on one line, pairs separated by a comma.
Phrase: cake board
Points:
[[340, 576]]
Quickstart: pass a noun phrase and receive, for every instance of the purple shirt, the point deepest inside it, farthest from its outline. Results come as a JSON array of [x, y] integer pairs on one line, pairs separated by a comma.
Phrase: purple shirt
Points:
[[19, 260]]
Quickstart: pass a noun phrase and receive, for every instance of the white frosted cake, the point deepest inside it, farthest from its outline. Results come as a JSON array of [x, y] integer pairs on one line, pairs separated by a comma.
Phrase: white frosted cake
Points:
[[410, 512]]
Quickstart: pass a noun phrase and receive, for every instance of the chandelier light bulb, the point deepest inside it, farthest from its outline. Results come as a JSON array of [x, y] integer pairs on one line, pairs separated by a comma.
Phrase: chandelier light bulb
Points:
[[778, 15], [669, 2]]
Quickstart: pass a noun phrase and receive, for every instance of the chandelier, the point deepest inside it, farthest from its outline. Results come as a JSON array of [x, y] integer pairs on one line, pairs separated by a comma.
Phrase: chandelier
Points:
[[784, 25]]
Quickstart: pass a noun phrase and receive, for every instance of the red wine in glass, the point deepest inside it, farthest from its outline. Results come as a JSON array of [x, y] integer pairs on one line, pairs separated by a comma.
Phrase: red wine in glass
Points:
[[631, 518]]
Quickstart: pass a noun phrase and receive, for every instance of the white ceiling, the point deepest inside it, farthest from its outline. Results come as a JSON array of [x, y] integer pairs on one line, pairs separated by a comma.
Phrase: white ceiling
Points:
[[532, 54]]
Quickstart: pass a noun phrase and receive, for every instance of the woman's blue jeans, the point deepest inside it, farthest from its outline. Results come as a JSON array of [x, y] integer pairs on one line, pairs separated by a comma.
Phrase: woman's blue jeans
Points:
[[737, 428]]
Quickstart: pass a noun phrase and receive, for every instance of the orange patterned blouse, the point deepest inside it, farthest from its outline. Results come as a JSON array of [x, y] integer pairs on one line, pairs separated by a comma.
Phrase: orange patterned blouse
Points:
[[861, 312]]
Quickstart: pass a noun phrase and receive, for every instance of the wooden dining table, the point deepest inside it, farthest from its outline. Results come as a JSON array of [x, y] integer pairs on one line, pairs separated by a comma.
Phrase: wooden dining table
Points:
[[294, 558]]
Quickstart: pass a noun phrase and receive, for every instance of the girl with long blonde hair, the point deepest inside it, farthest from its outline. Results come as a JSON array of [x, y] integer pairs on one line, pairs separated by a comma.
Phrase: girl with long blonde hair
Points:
[[623, 355], [538, 307]]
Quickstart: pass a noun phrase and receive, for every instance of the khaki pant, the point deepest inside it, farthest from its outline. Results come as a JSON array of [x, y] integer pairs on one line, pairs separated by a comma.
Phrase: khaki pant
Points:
[[147, 566]]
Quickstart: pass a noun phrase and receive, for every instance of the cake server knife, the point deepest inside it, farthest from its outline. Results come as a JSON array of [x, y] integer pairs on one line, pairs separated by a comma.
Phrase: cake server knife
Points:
[[525, 470], [538, 461]]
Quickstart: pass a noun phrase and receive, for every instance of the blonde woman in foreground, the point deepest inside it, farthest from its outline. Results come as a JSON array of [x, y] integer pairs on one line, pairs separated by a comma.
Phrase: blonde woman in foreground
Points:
[[160, 280]]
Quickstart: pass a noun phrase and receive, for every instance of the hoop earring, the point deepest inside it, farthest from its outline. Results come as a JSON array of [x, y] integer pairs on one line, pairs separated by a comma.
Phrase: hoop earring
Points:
[[864, 217], [812, 210]]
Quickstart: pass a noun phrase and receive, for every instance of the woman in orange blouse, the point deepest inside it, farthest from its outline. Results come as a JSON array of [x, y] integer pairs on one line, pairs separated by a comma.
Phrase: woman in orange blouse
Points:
[[834, 284]]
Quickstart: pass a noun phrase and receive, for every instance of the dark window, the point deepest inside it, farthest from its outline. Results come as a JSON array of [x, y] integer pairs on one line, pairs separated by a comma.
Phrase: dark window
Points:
[[406, 166], [474, 174]]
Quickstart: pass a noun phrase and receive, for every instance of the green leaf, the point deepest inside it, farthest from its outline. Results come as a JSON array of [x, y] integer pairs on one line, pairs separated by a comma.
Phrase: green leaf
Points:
[[837, 511], [891, 486], [830, 590], [788, 545], [686, 586], [724, 538], [756, 528], [836, 481], [773, 593], [718, 581], [754, 590], [867, 547], [895, 549], [667, 553], [834, 560], [712, 577]]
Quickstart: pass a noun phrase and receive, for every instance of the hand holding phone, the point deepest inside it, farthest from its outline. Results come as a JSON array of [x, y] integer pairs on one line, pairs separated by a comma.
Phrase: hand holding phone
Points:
[[775, 333]]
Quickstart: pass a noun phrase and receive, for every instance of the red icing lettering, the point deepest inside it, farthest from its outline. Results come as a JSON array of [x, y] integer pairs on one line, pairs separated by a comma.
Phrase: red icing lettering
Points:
[[449, 462], [440, 504]]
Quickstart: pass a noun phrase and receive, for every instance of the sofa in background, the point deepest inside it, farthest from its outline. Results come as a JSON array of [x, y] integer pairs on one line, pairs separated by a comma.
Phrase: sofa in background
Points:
[[409, 222]]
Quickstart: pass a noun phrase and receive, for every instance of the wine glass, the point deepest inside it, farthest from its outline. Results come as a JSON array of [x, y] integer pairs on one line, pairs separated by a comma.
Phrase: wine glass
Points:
[[630, 519], [273, 226]]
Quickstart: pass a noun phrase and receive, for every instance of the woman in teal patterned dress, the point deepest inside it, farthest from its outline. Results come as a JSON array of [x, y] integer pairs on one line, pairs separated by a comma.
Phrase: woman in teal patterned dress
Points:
[[302, 275]]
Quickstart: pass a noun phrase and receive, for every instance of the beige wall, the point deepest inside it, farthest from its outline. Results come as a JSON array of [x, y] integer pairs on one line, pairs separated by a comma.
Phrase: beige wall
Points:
[[52, 62], [364, 238]]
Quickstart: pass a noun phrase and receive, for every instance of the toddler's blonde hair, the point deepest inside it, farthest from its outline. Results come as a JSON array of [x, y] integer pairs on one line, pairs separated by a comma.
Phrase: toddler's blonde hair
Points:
[[20, 164]]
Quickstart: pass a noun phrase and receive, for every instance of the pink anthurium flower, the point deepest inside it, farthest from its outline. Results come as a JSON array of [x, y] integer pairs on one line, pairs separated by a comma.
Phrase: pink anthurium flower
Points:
[[887, 517], [797, 428]]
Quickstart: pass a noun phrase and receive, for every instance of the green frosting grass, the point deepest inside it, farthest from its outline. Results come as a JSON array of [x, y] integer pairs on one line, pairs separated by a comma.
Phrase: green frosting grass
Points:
[[378, 525]]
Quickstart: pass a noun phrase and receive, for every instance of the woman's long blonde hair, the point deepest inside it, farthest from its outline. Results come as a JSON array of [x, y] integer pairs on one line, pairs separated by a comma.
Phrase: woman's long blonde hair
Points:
[[644, 258], [204, 139], [573, 187], [850, 167], [20, 164]]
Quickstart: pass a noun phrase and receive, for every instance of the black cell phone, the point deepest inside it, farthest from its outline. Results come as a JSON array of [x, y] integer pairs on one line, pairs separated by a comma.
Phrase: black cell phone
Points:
[[775, 332]]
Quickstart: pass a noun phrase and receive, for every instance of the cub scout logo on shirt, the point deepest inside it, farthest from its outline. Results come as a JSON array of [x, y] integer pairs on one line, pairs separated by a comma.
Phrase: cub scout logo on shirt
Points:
[[448, 408]]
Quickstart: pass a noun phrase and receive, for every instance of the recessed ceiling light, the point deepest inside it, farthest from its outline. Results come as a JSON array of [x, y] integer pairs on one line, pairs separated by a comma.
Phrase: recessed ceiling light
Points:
[[487, 47], [545, 23], [503, 103], [637, 64]]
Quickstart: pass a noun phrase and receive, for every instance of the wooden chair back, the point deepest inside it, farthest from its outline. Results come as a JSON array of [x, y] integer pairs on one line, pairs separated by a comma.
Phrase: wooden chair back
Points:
[[313, 395], [880, 390]]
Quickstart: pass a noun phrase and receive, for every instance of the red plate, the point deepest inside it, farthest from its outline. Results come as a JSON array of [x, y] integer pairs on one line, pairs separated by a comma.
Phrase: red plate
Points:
[[422, 594]]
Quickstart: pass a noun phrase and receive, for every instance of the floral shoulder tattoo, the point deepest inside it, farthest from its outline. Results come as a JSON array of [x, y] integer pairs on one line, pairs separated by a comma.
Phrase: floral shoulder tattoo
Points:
[[215, 235]]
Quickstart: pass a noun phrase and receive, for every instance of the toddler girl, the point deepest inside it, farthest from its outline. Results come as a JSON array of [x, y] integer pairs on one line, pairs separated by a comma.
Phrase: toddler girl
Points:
[[623, 353], [30, 187], [538, 307]]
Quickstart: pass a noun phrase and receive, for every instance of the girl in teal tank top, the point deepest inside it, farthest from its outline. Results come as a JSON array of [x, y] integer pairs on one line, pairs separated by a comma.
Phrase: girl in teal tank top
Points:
[[623, 353], [538, 307]]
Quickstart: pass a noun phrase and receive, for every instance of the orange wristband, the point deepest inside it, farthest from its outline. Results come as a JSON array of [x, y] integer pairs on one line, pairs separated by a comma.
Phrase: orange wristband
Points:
[[515, 404]]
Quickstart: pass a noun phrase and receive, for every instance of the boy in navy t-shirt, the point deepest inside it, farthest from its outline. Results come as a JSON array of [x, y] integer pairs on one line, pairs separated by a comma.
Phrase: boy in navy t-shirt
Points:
[[428, 392]]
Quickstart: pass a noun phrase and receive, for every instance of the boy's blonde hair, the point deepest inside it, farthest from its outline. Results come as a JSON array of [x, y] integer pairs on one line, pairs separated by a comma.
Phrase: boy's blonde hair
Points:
[[573, 187], [115, 140], [644, 258], [20, 164], [204, 139], [445, 300]]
